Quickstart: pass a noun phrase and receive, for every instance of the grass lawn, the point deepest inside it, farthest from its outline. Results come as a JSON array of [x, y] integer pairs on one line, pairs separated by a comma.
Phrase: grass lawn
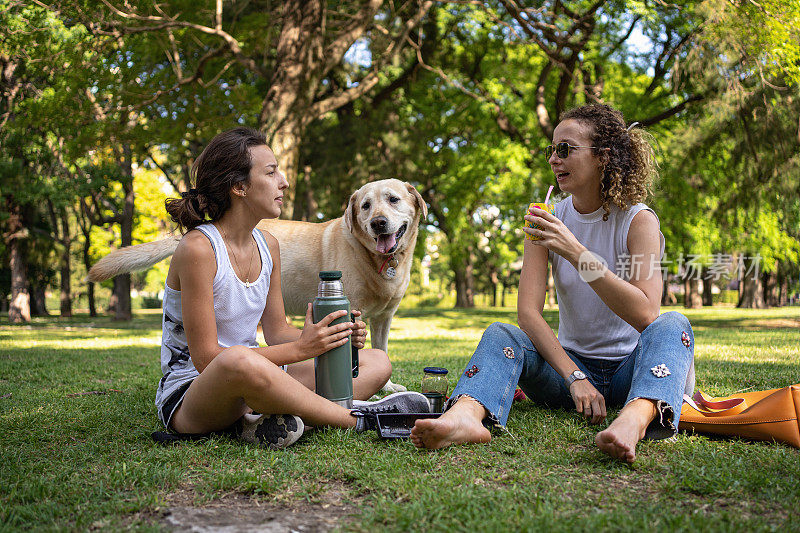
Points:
[[85, 461]]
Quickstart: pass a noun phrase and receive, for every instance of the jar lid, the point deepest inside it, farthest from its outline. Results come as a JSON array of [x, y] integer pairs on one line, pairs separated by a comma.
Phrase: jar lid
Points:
[[434, 370], [330, 275]]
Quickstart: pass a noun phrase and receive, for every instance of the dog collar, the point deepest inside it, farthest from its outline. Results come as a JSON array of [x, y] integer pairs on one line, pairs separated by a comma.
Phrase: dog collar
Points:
[[390, 272]]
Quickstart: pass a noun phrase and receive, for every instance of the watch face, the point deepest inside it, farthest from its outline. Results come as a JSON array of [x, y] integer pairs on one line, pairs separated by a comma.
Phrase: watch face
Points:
[[579, 375]]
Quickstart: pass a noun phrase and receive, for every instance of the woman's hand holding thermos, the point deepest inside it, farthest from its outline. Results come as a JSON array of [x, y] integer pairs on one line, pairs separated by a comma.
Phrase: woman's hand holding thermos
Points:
[[318, 338]]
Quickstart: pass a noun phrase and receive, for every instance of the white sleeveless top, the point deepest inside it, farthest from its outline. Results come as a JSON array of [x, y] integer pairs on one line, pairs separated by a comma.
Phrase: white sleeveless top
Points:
[[237, 312], [587, 325]]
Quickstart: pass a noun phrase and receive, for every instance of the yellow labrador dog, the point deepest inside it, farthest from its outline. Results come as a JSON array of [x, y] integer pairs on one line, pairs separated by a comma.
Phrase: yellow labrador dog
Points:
[[372, 244]]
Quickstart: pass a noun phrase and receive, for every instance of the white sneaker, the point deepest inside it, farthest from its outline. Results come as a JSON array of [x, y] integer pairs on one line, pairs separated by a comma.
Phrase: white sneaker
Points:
[[399, 402]]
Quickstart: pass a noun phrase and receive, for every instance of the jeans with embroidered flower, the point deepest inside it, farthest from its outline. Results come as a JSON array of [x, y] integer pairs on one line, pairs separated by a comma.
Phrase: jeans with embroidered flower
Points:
[[660, 368]]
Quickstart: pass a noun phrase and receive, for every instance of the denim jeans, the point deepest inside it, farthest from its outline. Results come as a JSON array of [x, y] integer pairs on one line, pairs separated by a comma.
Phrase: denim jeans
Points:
[[657, 369]]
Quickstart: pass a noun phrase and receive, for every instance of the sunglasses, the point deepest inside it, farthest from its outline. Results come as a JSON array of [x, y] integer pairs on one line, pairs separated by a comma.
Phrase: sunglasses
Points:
[[562, 150]]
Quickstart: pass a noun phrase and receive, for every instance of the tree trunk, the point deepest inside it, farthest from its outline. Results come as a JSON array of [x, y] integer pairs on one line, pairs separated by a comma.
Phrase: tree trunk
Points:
[[751, 296], [38, 301], [90, 298], [66, 267], [87, 262], [285, 145], [769, 282], [495, 280], [20, 308], [783, 289], [708, 285], [691, 298], [122, 284], [121, 298], [294, 81], [465, 285], [667, 296], [502, 295], [750, 292], [85, 224]]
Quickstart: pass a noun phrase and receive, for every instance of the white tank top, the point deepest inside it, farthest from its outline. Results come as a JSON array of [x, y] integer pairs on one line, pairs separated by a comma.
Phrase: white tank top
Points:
[[586, 324], [237, 312]]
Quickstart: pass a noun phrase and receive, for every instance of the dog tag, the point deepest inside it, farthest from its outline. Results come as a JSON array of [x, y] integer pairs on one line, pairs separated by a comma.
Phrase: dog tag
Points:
[[391, 272]]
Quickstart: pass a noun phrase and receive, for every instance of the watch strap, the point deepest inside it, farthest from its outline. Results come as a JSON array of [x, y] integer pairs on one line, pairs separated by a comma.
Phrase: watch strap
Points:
[[572, 378]]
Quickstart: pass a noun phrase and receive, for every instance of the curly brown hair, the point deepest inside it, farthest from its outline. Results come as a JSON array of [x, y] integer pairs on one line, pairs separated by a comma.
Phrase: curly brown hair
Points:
[[629, 165]]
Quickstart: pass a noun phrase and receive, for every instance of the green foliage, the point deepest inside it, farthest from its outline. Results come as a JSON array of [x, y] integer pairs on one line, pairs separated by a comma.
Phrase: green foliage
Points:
[[731, 167], [765, 33], [727, 297], [151, 302], [151, 192]]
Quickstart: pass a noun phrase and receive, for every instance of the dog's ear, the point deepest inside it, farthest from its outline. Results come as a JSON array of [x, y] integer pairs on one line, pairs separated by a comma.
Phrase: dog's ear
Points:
[[350, 213], [423, 209]]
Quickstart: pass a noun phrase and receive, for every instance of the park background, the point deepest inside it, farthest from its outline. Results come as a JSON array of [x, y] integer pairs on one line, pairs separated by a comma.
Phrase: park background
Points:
[[104, 108], [104, 104]]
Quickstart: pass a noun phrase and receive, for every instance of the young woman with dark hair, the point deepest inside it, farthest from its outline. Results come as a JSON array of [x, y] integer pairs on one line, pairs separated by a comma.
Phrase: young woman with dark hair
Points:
[[223, 280], [613, 348]]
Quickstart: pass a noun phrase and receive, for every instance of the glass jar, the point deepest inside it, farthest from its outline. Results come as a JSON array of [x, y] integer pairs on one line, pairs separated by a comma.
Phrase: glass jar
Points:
[[434, 380]]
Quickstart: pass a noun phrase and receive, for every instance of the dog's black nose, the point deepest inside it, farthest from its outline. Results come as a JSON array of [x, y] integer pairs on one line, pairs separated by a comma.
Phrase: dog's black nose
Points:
[[378, 224]]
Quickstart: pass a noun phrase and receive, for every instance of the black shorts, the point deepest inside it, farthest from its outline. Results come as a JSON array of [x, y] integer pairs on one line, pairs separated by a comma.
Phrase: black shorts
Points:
[[171, 404]]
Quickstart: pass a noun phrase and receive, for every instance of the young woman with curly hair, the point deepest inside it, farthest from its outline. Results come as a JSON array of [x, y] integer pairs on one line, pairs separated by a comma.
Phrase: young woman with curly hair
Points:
[[613, 348]]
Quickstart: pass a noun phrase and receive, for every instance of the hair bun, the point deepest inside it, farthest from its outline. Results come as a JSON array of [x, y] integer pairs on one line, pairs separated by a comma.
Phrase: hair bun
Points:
[[191, 194]]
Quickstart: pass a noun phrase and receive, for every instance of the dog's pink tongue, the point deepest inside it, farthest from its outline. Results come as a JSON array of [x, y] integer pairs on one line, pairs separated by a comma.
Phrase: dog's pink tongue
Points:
[[386, 243]]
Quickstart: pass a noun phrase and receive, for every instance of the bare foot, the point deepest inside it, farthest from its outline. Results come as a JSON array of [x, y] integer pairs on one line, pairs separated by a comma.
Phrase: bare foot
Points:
[[460, 424], [619, 441], [620, 438]]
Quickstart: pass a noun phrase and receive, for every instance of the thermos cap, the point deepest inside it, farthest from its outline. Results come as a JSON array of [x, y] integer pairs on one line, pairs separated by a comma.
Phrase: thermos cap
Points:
[[434, 370], [330, 275]]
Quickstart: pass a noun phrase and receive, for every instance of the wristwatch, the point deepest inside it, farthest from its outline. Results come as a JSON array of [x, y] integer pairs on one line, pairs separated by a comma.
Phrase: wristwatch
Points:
[[575, 376]]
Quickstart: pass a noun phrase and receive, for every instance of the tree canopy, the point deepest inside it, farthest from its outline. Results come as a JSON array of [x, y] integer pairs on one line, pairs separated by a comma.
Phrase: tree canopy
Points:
[[105, 105]]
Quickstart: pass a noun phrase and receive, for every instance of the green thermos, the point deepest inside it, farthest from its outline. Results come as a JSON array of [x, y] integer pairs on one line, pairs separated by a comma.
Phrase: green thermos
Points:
[[333, 370]]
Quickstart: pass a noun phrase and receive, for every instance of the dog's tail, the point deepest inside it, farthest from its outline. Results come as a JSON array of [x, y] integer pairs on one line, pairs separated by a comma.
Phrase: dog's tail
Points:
[[132, 258]]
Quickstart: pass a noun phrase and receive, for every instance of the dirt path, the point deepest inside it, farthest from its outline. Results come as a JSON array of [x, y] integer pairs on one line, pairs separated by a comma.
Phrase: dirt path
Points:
[[235, 513]]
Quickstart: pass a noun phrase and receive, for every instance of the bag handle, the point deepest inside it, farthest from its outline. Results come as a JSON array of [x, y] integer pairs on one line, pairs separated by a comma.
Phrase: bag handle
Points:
[[726, 407]]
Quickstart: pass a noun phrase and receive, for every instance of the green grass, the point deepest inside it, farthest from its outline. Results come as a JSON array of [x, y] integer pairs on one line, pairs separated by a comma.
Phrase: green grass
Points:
[[87, 461]]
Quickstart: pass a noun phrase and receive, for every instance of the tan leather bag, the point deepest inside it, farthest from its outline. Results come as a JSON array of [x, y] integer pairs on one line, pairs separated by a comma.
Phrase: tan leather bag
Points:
[[759, 415]]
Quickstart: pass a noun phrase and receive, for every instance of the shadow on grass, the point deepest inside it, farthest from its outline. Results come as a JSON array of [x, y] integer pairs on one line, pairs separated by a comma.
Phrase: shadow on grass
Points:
[[438, 312], [141, 319], [471, 318]]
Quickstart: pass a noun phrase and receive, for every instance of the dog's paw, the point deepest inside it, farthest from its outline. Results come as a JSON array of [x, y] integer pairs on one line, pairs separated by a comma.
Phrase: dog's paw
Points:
[[393, 387]]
